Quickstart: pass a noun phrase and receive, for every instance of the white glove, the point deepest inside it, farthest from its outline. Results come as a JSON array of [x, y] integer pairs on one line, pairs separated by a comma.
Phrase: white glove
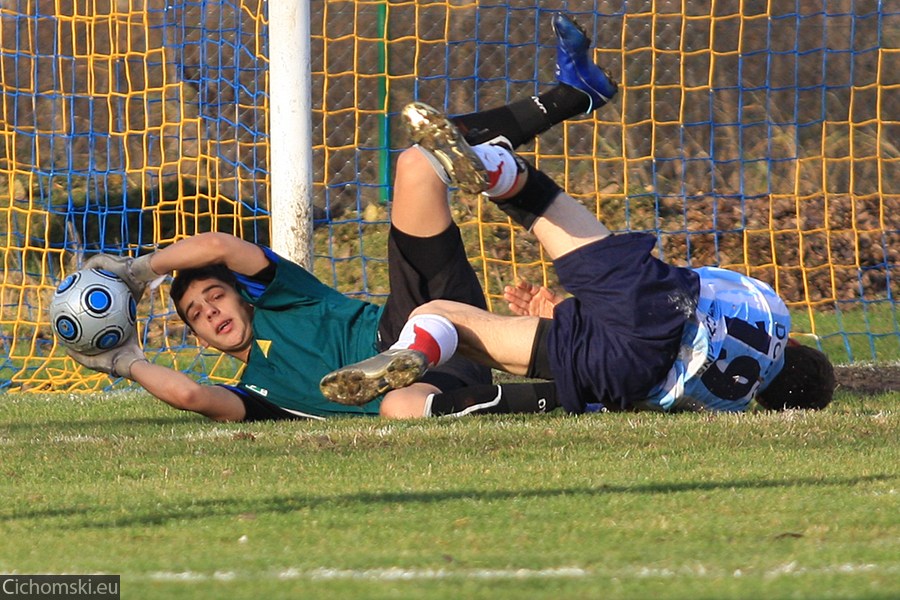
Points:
[[135, 272], [117, 361]]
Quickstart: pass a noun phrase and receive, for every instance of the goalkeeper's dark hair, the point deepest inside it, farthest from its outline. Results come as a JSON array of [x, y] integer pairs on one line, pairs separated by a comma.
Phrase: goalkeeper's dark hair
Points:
[[185, 277], [806, 381]]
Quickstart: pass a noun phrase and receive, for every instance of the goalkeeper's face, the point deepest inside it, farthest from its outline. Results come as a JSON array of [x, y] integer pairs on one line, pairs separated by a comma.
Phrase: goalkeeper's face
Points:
[[218, 316]]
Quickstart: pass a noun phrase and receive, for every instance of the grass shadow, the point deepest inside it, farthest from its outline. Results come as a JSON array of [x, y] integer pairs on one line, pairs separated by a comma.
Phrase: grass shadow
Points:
[[94, 517]]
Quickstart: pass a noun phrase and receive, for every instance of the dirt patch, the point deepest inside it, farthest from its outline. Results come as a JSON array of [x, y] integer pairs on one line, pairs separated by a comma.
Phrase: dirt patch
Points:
[[868, 379]]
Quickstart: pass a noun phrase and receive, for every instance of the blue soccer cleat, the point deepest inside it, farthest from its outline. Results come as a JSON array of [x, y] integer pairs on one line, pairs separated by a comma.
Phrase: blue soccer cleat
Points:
[[574, 67]]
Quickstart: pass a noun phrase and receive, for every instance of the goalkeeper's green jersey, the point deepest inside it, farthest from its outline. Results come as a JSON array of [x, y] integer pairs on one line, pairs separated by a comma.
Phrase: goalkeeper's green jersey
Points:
[[303, 330]]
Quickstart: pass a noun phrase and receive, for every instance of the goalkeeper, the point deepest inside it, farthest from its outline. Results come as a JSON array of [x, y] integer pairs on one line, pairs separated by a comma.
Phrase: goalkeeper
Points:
[[291, 330], [637, 333]]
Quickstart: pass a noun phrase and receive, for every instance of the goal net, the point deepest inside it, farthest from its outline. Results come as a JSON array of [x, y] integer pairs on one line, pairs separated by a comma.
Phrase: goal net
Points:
[[757, 136]]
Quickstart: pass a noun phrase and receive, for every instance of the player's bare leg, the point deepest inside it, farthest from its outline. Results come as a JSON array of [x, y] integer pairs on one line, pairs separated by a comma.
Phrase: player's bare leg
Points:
[[419, 205], [498, 341], [565, 226]]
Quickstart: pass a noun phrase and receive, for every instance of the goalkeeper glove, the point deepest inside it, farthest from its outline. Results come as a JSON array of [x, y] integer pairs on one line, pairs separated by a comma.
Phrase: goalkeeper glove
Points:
[[135, 272], [116, 361]]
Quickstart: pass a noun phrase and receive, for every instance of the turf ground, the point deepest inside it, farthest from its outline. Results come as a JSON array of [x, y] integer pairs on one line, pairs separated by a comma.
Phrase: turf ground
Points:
[[601, 506]]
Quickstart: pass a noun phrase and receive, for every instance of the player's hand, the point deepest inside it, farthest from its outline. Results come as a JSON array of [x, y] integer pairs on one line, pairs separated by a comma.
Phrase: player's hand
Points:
[[117, 361], [135, 272], [529, 300]]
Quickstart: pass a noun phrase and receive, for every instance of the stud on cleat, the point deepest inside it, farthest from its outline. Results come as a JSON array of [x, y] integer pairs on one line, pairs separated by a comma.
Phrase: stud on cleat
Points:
[[436, 134], [360, 383], [574, 66]]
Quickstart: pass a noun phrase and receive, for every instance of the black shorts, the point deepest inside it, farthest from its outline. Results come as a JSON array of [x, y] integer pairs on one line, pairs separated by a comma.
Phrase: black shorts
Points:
[[425, 269]]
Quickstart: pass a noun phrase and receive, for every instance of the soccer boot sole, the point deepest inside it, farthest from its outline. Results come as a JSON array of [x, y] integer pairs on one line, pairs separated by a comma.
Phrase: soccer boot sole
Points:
[[434, 132], [364, 381]]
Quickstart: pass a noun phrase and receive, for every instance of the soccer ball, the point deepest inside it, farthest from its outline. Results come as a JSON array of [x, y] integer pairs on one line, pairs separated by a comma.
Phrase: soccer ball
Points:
[[93, 311]]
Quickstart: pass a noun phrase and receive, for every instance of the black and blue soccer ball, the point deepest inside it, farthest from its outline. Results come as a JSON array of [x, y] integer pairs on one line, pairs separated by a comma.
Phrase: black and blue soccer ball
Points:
[[93, 311]]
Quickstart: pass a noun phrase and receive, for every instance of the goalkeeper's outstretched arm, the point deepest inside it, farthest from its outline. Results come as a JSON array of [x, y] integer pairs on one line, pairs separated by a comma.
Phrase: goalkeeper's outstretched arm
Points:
[[180, 391]]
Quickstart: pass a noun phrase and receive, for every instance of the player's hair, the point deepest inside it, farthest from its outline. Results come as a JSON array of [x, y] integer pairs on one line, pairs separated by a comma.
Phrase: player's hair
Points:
[[806, 381], [185, 277]]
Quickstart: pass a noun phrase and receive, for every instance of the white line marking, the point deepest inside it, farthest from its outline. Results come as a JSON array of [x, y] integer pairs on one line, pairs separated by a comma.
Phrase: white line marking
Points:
[[400, 574]]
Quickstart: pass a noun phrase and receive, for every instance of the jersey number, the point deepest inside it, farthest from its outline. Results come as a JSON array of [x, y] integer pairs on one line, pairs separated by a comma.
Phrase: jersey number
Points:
[[741, 373]]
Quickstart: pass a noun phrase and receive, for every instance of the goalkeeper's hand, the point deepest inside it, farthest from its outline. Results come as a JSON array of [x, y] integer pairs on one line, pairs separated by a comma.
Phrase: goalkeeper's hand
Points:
[[117, 361], [135, 272]]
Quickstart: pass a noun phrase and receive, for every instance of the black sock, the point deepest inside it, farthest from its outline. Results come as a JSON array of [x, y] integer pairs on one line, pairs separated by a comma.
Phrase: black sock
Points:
[[523, 120], [539, 192], [496, 399]]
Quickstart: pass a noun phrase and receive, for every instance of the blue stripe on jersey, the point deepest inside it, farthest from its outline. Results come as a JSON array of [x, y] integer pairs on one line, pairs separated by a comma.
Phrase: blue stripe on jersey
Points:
[[253, 287], [733, 348]]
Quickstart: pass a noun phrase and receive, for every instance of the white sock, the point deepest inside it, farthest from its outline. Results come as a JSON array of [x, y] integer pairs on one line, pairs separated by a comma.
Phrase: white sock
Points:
[[432, 335], [429, 400], [501, 165]]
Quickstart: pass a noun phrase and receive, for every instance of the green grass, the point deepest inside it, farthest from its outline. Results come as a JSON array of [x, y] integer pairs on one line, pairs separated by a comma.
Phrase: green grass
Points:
[[615, 506]]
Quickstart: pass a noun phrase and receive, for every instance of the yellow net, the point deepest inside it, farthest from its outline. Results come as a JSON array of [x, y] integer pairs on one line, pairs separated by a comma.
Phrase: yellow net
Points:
[[756, 136]]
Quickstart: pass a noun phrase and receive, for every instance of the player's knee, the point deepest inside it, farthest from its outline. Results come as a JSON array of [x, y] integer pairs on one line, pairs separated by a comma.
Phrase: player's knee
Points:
[[410, 159], [405, 403], [433, 307]]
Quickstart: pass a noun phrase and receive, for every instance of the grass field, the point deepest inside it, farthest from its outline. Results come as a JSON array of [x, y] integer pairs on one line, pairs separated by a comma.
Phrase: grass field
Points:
[[599, 506]]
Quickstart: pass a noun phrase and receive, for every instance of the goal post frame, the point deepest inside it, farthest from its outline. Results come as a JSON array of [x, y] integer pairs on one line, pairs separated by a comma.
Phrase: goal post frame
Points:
[[290, 130]]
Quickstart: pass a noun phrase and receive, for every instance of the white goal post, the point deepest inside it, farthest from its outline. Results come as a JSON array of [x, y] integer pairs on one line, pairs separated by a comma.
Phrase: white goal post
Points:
[[290, 130]]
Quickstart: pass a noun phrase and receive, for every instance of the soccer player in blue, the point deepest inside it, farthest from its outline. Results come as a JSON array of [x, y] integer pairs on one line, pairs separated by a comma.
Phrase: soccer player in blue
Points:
[[636, 333], [291, 330]]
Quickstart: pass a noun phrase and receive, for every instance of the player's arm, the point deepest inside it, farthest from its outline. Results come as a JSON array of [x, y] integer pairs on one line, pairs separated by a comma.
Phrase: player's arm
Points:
[[208, 249], [197, 251], [172, 387], [180, 391]]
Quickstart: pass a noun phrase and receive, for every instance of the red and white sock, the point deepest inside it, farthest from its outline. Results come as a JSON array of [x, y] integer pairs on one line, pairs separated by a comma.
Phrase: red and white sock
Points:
[[501, 166], [432, 335]]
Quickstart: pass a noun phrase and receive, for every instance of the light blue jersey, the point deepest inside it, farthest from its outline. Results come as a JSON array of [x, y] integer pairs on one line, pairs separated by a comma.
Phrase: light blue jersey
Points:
[[731, 350]]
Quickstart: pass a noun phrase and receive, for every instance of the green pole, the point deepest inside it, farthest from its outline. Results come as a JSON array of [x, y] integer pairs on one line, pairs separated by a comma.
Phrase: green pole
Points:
[[384, 130]]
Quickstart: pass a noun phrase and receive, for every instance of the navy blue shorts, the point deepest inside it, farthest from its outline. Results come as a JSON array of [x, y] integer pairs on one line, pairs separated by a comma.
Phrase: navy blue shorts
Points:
[[619, 334]]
